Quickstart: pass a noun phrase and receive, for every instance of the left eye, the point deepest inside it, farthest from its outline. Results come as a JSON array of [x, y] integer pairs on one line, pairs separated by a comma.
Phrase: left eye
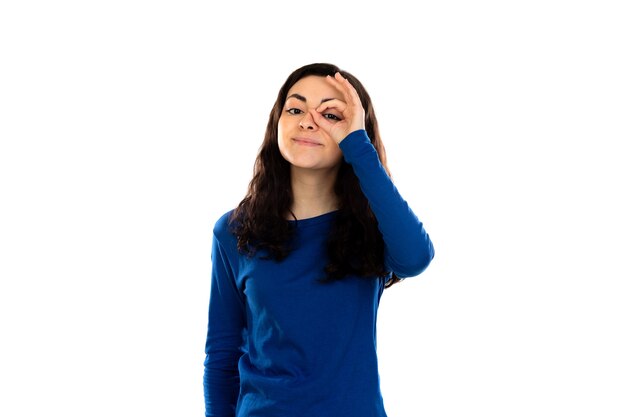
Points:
[[332, 116]]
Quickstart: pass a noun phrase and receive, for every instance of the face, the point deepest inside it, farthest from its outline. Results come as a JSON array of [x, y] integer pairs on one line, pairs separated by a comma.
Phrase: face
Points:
[[300, 140]]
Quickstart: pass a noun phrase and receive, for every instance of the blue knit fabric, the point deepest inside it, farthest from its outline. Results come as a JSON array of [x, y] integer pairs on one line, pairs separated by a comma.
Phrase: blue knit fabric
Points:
[[282, 344]]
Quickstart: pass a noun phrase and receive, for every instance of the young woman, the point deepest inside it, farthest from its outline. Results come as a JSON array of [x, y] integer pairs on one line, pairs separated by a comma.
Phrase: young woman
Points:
[[300, 265]]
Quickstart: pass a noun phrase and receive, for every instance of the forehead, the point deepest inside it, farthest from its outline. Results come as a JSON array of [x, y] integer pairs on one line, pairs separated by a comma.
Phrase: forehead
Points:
[[314, 89]]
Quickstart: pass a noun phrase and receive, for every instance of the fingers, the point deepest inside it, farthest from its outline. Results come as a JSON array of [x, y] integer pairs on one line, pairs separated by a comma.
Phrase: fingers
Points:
[[321, 121], [332, 104], [351, 109], [343, 85], [350, 94]]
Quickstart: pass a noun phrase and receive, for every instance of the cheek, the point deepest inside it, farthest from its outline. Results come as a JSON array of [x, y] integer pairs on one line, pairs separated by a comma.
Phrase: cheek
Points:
[[283, 151], [280, 127], [280, 134], [281, 131], [337, 156]]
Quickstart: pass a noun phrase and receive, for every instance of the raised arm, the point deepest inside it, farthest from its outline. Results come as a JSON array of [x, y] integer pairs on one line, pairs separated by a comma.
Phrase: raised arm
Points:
[[408, 248]]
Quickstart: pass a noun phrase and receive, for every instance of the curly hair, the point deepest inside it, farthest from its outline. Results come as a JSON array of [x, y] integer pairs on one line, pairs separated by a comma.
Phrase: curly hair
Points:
[[355, 245]]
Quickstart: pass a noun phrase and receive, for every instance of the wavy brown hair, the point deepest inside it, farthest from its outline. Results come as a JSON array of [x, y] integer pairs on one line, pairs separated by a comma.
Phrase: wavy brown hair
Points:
[[355, 245]]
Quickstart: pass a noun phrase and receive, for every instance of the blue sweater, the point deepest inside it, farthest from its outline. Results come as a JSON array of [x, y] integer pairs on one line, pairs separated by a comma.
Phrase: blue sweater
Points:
[[282, 344]]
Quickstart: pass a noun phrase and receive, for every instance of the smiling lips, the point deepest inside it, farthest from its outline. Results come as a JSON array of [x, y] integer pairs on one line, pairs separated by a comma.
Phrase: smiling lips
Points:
[[306, 142]]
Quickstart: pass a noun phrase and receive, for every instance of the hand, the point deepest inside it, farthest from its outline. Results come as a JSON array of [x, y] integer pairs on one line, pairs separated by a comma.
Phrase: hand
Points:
[[351, 110]]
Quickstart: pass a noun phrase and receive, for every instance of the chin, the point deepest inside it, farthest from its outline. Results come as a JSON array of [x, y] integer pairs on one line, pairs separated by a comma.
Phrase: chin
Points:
[[305, 165], [304, 161]]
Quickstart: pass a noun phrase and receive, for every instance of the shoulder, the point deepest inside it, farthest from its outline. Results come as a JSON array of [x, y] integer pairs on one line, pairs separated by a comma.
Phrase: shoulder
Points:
[[222, 230]]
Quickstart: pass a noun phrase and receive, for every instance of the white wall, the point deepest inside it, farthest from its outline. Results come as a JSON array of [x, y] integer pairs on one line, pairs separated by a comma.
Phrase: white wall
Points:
[[128, 127]]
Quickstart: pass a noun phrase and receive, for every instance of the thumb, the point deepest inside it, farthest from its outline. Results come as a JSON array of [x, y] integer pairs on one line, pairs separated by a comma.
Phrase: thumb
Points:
[[321, 121]]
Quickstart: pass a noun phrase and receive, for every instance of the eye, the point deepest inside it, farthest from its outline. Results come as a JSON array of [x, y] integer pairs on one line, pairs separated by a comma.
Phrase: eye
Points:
[[332, 117], [293, 111]]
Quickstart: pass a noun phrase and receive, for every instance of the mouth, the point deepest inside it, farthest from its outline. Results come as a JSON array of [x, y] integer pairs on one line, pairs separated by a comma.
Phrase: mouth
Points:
[[306, 142]]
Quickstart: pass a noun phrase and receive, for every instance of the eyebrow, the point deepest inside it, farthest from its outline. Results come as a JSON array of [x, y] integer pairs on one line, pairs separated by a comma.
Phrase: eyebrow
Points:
[[303, 99]]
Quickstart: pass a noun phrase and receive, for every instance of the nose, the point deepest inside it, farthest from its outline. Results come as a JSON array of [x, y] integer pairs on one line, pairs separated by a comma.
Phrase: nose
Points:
[[307, 122]]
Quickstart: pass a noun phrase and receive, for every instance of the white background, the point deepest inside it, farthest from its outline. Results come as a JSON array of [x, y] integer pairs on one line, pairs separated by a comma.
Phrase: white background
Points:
[[128, 127]]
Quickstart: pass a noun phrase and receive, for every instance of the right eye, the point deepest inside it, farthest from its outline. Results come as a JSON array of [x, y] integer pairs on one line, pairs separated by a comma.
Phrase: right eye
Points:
[[294, 111]]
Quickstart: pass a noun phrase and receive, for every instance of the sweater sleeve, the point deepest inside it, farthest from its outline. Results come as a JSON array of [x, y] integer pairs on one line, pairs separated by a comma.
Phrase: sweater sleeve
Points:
[[224, 337], [408, 249]]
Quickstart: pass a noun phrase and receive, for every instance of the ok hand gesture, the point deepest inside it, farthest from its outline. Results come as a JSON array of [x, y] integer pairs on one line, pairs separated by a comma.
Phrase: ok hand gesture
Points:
[[351, 110]]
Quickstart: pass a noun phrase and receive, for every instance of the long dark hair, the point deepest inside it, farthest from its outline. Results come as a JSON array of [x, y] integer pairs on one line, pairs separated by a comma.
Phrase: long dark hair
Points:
[[355, 245]]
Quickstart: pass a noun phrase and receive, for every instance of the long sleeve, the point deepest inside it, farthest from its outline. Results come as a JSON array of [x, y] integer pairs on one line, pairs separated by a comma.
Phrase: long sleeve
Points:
[[408, 248], [224, 337]]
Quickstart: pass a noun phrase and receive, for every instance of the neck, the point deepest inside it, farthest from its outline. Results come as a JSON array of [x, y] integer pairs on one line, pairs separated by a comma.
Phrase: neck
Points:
[[313, 192]]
